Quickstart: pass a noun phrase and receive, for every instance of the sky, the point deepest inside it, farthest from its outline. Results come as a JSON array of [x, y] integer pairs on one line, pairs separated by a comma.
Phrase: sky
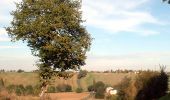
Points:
[[127, 34]]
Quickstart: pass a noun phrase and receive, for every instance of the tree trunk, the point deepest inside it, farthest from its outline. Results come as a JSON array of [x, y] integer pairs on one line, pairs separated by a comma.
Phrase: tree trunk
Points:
[[43, 90]]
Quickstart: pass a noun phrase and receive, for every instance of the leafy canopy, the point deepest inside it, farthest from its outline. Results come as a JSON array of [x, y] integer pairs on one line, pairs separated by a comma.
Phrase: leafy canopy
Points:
[[54, 32], [166, 1]]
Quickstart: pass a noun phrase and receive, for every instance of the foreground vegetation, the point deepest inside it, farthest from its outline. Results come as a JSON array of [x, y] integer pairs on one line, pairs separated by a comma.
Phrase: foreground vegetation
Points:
[[145, 85]]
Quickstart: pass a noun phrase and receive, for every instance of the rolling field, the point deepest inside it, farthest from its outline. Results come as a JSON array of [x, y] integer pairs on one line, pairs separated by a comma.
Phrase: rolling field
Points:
[[32, 79]]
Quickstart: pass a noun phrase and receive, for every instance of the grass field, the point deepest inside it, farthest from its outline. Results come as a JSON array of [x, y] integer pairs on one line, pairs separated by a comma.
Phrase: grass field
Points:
[[32, 79]]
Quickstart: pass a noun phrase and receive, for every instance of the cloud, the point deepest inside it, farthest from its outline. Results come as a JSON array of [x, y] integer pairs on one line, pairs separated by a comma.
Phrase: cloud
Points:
[[118, 16], [136, 61], [13, 62], [9, 47], [2, 31], [3, 35], [6, 6]]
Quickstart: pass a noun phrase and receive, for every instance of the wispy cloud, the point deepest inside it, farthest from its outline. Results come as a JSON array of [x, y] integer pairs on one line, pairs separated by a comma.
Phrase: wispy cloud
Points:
[[6, 6], [3, 35], [147, 60], [9, 47], [118, 16]]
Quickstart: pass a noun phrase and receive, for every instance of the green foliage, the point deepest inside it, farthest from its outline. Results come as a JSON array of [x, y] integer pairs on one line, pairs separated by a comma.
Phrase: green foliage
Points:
[[53, 30], [154, 88], [64, 88], [100, 92], [20, 70], [123, 87], [51, 89], [36, 90], [79, 90], [142, 79], [98, 84], [99, 88], [90, 88], [123, 84], [82, 74], [29, 90], [20, 90]]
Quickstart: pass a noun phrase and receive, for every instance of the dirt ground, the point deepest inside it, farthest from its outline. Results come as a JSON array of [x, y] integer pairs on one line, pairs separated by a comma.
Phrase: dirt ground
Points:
[[69, 96], [49, 96]]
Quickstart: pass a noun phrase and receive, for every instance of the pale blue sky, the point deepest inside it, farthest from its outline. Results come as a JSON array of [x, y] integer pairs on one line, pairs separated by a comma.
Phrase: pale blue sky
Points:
[[128, 34]]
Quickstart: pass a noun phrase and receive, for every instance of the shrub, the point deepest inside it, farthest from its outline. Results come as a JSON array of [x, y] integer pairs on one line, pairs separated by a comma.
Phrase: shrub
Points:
[[29, 90], [79, 90], [99, 88], [11, 88], [100, 92], [91, 88], [125, 89], [64, 88], [20, 90], [51, 89], [36, 89], [154, 88], [97, 85], [20, 70]]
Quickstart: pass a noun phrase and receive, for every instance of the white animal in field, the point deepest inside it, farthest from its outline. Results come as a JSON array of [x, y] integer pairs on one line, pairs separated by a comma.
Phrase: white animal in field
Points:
[[136, 72], [111, 91]]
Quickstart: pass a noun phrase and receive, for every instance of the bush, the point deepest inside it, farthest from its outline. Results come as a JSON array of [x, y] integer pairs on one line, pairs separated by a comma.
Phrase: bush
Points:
[[100, 92], [91, 88], [51, 89], [154, 88], [79, 90], [11, 88], [20, 90], [36, 89], [97, 85], [29, 90], [64, 88], [125, 89], [20, 70], [99, 88]]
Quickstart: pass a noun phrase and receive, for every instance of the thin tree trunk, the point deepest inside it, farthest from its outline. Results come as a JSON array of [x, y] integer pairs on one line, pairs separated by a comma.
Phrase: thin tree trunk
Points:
[[43, 90]]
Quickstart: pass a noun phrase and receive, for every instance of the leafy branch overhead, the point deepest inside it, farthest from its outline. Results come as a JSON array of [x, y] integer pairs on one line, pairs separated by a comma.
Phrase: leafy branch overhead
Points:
[[54, 32], [166, 1]]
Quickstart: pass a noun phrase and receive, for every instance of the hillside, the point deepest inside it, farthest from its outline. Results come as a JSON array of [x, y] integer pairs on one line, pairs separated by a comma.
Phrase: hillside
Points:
[[30, 78]]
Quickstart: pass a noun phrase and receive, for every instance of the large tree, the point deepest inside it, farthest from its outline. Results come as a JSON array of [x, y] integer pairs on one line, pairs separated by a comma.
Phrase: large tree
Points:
[[54, 32], [166, 1]]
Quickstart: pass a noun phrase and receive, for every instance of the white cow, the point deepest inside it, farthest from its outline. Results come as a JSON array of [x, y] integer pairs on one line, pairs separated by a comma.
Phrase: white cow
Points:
[[111, 91]]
